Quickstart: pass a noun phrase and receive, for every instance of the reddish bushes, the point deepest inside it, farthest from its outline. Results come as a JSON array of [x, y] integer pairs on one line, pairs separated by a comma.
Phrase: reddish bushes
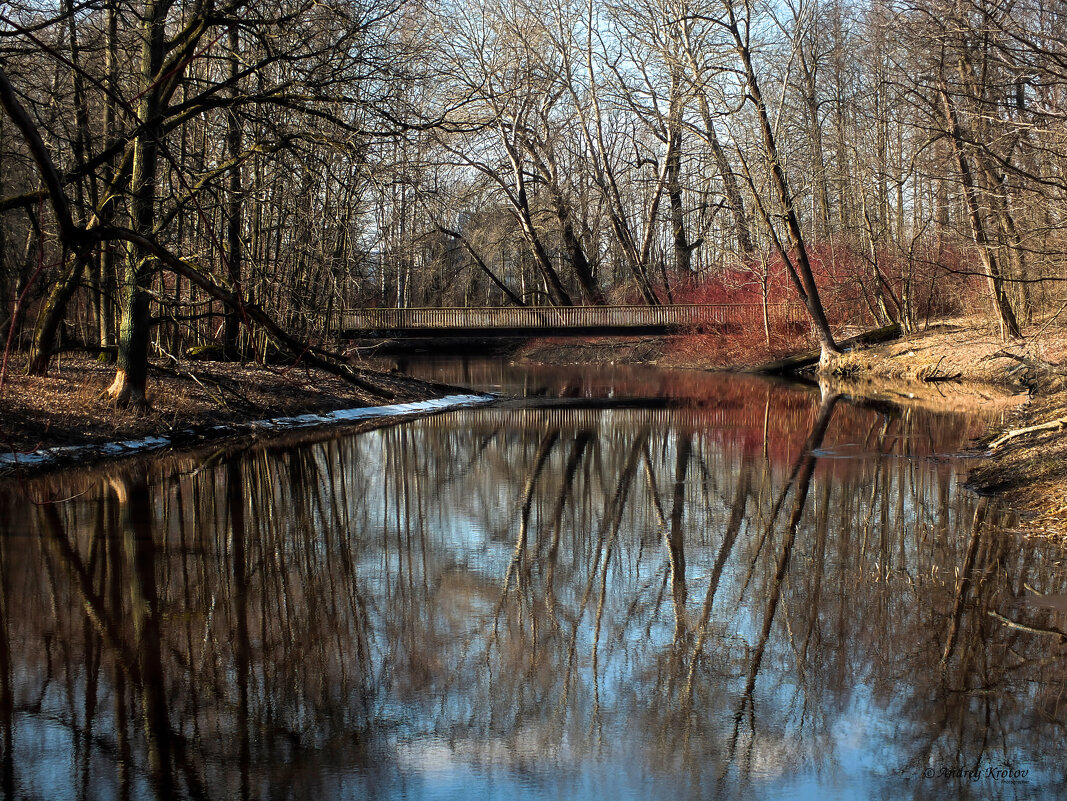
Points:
[[926, 283]]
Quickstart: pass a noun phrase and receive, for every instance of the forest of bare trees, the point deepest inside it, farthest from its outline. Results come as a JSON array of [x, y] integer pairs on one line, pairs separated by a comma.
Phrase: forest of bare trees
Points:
[[231, 174]]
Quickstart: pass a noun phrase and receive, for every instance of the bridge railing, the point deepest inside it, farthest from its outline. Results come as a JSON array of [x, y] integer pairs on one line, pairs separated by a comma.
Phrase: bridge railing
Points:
[[535, 317]]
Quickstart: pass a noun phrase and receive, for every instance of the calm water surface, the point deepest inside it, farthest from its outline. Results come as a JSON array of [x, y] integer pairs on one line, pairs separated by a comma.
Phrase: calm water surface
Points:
[[753, 591]]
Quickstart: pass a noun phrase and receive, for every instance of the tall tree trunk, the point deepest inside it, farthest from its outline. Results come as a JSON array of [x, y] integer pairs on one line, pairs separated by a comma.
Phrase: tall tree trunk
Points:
[[880, 287], [742, 223], [583, 271], [996, 191], [233, 206], [994, 188], [54, 310], [683, 251], [104, 278], [557, 294], [821, 199], [1009, 326], [131, 375]]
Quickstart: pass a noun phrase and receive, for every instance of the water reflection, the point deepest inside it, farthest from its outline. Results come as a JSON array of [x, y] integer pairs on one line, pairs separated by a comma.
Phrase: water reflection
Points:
[[777, 593]]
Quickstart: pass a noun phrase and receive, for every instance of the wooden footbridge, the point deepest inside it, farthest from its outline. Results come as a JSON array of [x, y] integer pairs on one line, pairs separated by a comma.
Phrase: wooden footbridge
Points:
[[557, 321]]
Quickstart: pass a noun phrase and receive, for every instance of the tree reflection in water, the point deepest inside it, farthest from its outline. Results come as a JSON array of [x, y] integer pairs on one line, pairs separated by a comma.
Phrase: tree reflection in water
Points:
[[771, 593]]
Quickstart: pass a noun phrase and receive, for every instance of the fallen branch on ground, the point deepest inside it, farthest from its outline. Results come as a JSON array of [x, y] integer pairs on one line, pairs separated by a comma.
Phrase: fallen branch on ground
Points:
[[222, 386], [1008, 436]]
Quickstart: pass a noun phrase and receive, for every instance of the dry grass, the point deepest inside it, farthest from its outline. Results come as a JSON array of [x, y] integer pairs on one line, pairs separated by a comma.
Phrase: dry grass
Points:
[[968, 351]]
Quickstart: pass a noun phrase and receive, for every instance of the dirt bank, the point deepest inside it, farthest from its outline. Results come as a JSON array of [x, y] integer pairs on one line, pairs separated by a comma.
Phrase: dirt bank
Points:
[[69, 407], [1028, 465], [960, 351]]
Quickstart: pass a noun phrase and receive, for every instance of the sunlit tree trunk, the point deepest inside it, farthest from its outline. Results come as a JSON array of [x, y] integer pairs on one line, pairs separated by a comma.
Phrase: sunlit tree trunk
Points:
[[683, 249], [1009, 326]]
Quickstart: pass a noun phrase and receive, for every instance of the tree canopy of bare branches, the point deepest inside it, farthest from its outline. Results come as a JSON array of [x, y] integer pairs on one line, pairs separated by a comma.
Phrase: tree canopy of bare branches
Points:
[[231, 174]]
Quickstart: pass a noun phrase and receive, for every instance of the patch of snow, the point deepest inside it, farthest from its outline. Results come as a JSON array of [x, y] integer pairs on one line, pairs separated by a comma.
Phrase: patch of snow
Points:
[[371, 412]]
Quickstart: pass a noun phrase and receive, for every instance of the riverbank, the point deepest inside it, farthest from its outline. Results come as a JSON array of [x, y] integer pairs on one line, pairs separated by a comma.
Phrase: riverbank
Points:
[[190, 403], [1026, 458], [951, 364]]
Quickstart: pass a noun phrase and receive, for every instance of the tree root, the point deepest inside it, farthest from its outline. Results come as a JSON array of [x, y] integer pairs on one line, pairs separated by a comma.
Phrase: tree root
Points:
[[123, 394]]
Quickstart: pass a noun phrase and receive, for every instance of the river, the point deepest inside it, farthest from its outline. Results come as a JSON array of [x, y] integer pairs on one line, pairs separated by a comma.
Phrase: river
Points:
[[632, 585]]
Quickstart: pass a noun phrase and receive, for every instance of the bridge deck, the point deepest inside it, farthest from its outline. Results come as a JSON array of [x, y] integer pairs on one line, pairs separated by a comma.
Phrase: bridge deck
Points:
[[556, 320]]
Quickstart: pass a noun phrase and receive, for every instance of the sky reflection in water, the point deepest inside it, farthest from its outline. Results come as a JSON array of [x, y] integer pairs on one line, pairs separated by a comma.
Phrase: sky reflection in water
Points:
[[689, 602]]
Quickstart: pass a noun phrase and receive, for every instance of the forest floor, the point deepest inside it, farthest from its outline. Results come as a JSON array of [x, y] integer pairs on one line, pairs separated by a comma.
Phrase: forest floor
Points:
[[70, 407], [955, 364]]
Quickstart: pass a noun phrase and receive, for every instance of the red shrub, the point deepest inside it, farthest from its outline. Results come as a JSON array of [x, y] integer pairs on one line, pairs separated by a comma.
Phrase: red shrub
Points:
[[932, 278]]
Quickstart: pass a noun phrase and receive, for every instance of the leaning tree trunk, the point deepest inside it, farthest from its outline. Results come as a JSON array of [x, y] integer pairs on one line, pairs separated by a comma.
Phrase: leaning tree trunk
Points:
[[799, 266], [583, 271], [52, 315], [742, 224], [998, 196]]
